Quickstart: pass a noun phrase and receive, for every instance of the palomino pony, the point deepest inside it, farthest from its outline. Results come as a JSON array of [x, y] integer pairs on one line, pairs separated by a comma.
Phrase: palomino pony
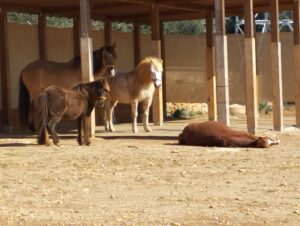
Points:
[[217, 134], [40, 74], [55, 103], [133, 87]]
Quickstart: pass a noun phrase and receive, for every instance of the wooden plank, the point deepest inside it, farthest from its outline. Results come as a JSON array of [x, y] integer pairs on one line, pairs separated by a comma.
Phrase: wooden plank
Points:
[[76, 35], [164, 78], [42, 36], [250, 68], [276, 68], [251, 85], [86, 51], [274, 11], [107, 31], [296, 15], [5, 74], [210, 70], [220, 17], [136, 43], [221, 64], [157, 104]]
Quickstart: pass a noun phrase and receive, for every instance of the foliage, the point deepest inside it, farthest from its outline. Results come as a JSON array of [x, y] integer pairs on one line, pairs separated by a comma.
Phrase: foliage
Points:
[[185, 27], [174, 27], [265, 108], [183, 113]]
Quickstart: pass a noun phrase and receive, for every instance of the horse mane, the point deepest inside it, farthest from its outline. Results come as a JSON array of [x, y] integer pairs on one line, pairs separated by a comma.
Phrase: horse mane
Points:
[[85, 88], [97, 60], [142, 71]]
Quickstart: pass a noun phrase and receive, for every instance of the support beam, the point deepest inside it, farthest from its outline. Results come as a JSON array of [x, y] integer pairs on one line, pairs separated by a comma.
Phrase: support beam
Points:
[[221, 64], [76, 35], [250, 68], [210, 70], [86, 50], [136, 43], [157, 104], [276, 67], [42, 36], [164, 79], [296, 14], [5, 74], [107, 31]]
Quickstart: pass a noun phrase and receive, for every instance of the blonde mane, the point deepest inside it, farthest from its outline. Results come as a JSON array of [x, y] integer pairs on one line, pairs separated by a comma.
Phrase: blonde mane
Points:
[[142, 71]]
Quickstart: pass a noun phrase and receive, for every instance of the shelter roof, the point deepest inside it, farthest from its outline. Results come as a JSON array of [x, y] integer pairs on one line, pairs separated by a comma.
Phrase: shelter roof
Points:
[[132, 10]]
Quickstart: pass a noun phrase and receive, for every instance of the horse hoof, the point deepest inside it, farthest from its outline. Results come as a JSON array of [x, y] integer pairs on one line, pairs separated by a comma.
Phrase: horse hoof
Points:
[[148, 129], [57, 144], [112, 130], [87, 143], [135, 130]]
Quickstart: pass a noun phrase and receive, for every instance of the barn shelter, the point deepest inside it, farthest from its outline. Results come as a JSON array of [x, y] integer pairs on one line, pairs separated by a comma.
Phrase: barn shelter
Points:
[[155, 12]]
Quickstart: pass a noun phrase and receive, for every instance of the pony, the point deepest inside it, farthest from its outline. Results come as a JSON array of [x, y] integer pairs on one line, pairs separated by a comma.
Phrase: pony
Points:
[[133, 87], [56, 103], [217, 134], [40, 74]]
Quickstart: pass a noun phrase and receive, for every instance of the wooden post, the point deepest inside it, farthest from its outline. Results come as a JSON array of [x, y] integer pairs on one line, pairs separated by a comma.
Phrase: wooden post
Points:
[[5, 74], [86, 50], [157, 104], [221, 64], [41, 30], [210, 70], [164, 79], [250, 68], [296, 15], [276, 67], [136, 43], [76, 35], [107, 31]]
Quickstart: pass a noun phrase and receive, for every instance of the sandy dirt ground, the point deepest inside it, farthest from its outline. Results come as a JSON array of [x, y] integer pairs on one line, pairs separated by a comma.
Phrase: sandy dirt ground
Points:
[[148, 179]]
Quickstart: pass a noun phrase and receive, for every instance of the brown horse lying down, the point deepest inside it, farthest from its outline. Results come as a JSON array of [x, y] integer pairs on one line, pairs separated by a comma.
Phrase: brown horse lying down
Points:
[[217, 134], [56, 103]]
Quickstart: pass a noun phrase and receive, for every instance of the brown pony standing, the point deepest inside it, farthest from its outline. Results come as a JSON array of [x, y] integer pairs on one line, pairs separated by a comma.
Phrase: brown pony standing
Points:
[[40, 74], [217, 134], [56, 103], [133, 87]]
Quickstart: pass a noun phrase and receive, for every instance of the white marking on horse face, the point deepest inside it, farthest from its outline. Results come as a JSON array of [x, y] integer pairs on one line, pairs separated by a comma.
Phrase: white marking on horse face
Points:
[[113, 72], [273, 141], [156, 76]]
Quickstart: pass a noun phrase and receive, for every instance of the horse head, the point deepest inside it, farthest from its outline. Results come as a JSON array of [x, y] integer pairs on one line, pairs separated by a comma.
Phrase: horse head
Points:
[[109, 55], [100, 91], [156, 70], [266, 142]]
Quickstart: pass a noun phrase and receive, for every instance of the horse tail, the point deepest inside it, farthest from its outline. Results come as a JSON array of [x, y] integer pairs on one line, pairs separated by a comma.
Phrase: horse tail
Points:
[[24, 102], [44, 117]]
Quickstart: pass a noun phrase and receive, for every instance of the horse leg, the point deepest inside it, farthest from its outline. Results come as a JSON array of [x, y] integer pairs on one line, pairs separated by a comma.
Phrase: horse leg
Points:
[[51, 129], [109, 126], [134, 114], [79, 127], [86, 130], [145, 110]]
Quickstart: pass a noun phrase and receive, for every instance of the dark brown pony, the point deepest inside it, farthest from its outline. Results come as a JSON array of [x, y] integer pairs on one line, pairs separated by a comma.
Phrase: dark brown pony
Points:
[[40, 74], [56, 103], [217, 134]]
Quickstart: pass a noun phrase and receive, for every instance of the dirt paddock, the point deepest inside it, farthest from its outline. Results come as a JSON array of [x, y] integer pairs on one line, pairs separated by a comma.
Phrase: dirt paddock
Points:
[[148, 179]]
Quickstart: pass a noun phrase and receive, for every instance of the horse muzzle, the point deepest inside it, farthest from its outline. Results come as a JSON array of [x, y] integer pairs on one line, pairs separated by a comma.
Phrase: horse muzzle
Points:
[[157, 83], [100, 101]]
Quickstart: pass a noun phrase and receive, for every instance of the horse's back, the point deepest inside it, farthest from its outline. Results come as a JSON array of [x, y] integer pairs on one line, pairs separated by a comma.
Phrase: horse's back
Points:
[[203, 134], [124, 88], [41, 74]]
